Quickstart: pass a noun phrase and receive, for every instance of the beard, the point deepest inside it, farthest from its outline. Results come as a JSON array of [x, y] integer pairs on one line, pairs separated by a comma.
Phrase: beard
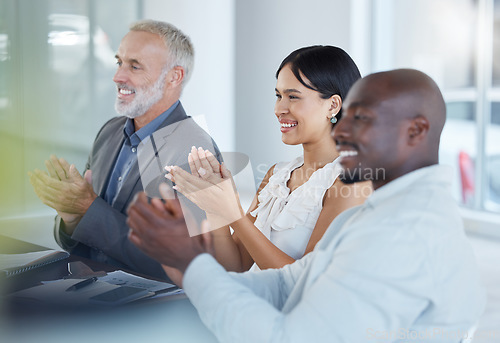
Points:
[[350, 176], [144, 98]]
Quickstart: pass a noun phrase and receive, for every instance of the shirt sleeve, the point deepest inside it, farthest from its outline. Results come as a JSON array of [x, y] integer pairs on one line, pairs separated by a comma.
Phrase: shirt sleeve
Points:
[[104, 229], [62, 238], [248, 307], [375, 277], [358, 297], [234, 311]]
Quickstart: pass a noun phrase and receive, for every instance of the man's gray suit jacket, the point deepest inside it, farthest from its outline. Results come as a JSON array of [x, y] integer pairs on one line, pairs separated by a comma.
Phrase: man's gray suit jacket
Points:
[[101, 234]]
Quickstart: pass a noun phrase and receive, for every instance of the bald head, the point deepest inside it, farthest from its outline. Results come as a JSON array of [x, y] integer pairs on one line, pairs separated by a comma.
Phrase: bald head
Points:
[[413, 94], [393, 122]]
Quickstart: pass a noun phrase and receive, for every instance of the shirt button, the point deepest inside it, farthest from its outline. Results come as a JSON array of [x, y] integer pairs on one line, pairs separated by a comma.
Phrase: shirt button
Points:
[[134, 149], [119, 179]]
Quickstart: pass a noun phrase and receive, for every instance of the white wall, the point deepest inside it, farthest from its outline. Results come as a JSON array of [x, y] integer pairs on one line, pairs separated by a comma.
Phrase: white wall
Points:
[[210, 91], [266, 32], [239, 45]]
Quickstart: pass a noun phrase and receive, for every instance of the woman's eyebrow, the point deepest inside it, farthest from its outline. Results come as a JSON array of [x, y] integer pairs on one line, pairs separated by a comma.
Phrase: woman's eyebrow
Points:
[[289, 90]]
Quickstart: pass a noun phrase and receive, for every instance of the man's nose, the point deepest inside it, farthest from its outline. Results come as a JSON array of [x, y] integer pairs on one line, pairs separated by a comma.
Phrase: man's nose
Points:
[[341, 129], [120, 75]]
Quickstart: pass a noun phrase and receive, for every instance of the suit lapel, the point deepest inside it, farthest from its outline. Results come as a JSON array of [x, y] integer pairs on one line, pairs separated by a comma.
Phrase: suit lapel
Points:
[[108, 159]]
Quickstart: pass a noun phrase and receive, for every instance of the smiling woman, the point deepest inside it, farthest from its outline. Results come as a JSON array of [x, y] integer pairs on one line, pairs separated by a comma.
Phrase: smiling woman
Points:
[[297, 200]]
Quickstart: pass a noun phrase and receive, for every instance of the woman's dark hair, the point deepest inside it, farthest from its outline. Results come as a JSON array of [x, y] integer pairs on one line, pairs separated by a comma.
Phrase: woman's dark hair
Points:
[[330, 70]]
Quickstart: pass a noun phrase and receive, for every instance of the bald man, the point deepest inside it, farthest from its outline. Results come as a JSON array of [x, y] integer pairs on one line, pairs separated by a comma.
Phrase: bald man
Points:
[[398, 268], [395, 126]]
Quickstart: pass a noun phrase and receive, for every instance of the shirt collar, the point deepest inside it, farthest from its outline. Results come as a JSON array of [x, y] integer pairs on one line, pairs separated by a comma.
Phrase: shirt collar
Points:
[[438, 174], [144, 132]]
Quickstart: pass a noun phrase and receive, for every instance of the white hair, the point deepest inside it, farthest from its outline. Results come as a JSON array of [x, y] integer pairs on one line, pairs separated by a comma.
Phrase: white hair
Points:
[[180, 48]]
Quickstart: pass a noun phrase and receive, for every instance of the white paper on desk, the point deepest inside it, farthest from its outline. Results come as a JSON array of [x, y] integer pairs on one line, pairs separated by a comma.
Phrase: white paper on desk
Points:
[[54, 292], [121, 278]]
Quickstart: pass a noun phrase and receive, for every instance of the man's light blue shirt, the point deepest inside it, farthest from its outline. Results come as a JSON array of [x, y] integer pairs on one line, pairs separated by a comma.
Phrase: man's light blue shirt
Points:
[[397, 269], [128, 153]]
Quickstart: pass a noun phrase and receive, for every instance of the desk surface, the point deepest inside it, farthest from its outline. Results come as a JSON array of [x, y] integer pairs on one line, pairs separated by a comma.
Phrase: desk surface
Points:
[[167, 319], [172, 320]]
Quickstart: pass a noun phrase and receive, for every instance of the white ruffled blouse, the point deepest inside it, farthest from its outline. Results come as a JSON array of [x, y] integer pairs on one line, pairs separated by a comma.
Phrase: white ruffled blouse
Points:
[[287, 218]]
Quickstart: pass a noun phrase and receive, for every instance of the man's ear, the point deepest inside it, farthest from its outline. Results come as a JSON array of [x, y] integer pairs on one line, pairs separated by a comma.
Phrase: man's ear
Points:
[[336, 104], [418, 129], [175, 77]]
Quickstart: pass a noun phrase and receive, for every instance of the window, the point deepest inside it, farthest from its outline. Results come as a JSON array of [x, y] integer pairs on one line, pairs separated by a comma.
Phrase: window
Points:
[[56, 90], [456, 42]]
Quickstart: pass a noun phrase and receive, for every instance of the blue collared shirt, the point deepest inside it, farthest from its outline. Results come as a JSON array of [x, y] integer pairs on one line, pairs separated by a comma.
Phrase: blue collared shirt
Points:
[[128, 153]]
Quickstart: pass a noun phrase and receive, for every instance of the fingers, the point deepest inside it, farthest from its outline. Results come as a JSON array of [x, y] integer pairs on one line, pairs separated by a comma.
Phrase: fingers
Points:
[[46, 193], [141, 206], [203, 160], [136, 222], [64, 164], [74, 174], [170, 176], [51, 170], [143, 213], [182, 185], [138, 213], [205, 165], [201, 163], [195, 160], [226, 174], [208, 162], [214, 163], [174, 207], [41, 179], [55, 169], [69, 195], [192, 165], [88, 176], [134, 238], [36, 183], [166, 191], [151, 226], [58, 168], [203, 173], [185, 182], [158, 204]]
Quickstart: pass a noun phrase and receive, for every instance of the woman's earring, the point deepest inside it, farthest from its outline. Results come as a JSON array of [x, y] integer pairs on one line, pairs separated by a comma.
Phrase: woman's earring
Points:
[[333, 119]]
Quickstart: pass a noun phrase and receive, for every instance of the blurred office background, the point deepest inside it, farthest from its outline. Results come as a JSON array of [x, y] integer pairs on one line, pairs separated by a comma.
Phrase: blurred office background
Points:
[[57, 63], [56, 89]]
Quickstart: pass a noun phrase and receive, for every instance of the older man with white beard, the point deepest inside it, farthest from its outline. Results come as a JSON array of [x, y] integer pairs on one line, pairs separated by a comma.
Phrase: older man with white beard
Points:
[[154, 61]]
